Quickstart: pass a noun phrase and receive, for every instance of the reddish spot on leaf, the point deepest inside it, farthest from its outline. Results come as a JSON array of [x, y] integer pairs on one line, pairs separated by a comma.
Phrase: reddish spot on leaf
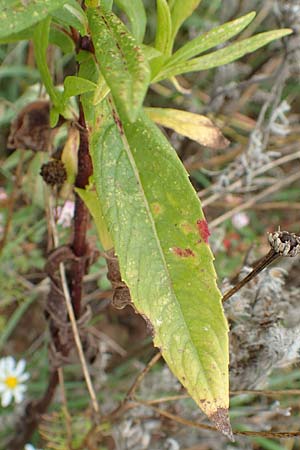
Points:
[[203, 230], [183, 252]]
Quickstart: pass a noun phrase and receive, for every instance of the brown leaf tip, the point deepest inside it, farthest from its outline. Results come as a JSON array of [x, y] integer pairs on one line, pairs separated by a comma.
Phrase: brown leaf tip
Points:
[[221, 419]]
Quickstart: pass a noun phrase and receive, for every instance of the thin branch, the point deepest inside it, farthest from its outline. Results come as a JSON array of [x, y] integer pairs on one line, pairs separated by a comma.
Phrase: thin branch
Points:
[[72, 315], [270, 257], [125, 402], [249, 203], [238, 183], [201, 426]]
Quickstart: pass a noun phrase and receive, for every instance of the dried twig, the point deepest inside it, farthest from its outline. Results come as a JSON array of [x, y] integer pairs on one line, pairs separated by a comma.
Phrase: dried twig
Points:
[[249, 203]]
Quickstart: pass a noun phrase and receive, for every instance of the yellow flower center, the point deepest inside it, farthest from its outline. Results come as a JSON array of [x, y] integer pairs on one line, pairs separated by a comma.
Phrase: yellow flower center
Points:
[[11, 382]]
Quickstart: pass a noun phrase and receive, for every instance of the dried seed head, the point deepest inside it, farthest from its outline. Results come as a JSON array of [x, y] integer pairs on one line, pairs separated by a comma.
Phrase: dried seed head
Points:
[[285, 243], [54, 172]]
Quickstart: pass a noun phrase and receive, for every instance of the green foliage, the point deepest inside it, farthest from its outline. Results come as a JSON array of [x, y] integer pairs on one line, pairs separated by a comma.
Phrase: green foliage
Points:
[[163, 40], [121, 61], [153, 222], [219, 57], [16, 15], [136, 14], [180, 11]]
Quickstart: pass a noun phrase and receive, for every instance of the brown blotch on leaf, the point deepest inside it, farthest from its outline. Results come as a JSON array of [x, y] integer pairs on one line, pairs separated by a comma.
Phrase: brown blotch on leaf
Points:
[[183, 252], [221, 419]]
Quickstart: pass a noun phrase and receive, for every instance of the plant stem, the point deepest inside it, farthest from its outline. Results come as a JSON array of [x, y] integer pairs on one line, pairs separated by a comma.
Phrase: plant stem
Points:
[[81, 217], [262, 264]]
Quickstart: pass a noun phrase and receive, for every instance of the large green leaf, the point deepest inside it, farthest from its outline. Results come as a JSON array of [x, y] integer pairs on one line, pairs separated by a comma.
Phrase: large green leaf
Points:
[[180, 11], [160, 236], [223, 56], [211, 39], [136, 14], [17, 15], [121, 61]]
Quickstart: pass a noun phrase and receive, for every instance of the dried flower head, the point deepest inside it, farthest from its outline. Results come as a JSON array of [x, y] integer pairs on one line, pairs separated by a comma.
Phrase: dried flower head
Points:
[[285, 243], [54, 172]]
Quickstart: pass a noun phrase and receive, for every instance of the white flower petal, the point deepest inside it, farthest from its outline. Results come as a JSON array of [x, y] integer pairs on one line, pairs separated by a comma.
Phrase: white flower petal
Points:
[[3, 387], [6, 398], [29, 447], [3, 366], [19, 394], [20, 367], [24, 377], [10, 364]]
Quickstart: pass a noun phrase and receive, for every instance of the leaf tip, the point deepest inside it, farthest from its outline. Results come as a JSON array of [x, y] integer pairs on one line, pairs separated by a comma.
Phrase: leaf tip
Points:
[[221, 419]]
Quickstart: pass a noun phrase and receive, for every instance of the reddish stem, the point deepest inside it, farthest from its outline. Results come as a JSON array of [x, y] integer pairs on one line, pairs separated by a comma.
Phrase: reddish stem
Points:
[[81, 217]]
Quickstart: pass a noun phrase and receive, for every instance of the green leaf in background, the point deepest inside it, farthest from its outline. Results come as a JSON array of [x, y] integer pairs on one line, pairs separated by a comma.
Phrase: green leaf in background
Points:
[[77, 86], [180, 11], [212, 38], [150, 52], [89, 70], [16, 15], [23, 35], [71, 14], [62, 40], [121, 61], [194, 126], [135, 11], [163, 37], [40, 43], [160, 236], [223, 56], [91, 200]]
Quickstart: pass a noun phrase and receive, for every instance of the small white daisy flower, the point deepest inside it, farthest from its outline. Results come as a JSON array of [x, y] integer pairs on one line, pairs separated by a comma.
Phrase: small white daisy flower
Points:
[[12, 378], [30, 447]]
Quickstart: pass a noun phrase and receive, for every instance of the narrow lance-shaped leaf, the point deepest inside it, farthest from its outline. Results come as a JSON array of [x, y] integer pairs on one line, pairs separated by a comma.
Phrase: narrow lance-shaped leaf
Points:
[[135, 11], [163, 39], [16, 16], [212, 38], [194, 126], [161, 239], [121, 61], [223, 56], [180, 11], [40, 42]]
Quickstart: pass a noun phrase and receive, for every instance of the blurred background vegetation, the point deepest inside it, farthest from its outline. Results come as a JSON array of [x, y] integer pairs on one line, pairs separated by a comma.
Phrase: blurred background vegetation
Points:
[[248, 189]]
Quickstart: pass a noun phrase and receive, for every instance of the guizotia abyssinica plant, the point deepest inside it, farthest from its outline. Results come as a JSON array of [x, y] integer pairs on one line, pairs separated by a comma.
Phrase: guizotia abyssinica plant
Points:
[[129, 177]]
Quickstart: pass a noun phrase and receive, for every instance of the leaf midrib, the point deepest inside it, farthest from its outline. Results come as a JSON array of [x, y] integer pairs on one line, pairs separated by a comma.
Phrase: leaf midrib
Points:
[[157, 240]]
